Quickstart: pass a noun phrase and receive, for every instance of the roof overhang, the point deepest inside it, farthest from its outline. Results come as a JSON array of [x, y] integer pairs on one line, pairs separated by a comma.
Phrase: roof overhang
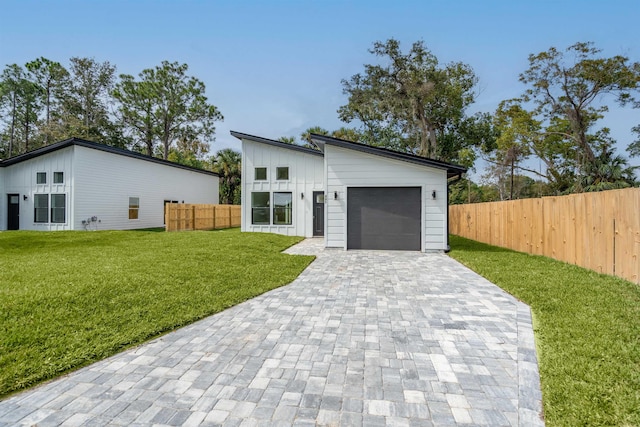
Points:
[[274, 143], [100, 147]]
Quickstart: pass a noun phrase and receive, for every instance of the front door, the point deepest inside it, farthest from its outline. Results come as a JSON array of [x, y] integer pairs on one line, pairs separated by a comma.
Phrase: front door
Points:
[[318, 213], [13, 212]]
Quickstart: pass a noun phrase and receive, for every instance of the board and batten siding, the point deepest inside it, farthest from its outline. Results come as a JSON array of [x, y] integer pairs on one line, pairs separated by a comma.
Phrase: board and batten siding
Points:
[[305, 177], [20, 178], [103, 183], [348, 168]]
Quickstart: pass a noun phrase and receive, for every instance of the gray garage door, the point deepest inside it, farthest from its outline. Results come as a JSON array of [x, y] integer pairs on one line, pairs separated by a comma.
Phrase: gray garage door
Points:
[[383, 218]]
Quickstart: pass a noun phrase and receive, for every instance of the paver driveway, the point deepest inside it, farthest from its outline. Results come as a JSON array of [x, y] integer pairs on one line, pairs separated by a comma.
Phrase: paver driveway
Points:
[[359, 338]]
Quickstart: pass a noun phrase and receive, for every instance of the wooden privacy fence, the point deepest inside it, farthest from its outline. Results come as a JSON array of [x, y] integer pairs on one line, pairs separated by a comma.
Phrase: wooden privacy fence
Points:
[[183, 216], [598, 231]]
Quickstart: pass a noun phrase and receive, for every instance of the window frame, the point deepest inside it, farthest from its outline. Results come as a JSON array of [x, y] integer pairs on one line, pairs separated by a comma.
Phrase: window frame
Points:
[[58, 174], [255, 173], [286, 209], [265, 208], [43, 175], [281, 168], [58, 208], [134, 208], [37, 209]]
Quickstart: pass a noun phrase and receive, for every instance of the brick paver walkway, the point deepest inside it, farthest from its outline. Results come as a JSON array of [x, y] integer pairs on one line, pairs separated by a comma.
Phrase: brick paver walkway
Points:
[[359, 338]]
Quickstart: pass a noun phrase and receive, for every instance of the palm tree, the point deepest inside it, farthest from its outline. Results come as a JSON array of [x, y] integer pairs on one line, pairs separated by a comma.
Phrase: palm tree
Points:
[[227, 164]]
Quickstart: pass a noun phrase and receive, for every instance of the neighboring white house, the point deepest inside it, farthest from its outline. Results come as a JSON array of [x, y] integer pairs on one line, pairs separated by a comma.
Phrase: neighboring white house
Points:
[[355, 195], [82, 185]]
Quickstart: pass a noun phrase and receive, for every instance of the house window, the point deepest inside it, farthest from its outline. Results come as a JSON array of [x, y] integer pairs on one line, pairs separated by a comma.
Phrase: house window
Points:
[[58, 208], [58, 177], [40, 208], [282, 203], [41, 177], [282, 173], [260, 208], [261, 174], [134, 207]]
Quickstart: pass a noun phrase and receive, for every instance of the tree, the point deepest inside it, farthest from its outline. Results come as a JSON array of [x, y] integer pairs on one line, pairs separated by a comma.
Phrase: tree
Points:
[[227, 164], [22, 99], [166, 105], [54, 81], [575, 86], [410, 103], [86, 108]]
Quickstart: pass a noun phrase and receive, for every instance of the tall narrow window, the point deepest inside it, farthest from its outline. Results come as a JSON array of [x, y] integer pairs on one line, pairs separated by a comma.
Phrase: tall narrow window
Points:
[[134, 207], [282, 208], [282, 173], [261, 174], [58, 208], [260, 208], [40, 208], [58, 177], [41, 177]]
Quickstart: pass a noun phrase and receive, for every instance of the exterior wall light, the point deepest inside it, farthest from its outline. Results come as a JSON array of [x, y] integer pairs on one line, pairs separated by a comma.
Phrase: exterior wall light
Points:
[[24, 197], [302, 196], [433, 194], [335, 195]]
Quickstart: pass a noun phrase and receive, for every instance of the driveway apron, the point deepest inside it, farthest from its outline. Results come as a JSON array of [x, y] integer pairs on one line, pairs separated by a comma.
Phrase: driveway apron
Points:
[[374, 338]]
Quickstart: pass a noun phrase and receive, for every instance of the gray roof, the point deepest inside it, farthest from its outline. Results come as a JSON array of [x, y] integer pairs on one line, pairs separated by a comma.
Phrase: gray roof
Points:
[[275, 143], [96, 146], [452, 170]]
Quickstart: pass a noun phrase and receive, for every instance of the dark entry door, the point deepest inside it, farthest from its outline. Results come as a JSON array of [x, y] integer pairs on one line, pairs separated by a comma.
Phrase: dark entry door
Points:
[[318, 213], [13, 212], [384, 218]]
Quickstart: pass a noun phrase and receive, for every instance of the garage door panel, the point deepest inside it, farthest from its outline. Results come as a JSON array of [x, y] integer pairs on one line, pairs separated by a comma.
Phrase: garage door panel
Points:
[[384, 218]]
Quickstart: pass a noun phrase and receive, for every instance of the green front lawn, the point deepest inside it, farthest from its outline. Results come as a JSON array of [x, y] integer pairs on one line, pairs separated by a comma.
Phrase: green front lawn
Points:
[[71, 298], [587, 329]]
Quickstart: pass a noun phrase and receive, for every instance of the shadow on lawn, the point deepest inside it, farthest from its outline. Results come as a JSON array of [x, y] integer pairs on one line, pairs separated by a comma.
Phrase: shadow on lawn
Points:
[[458, 243]]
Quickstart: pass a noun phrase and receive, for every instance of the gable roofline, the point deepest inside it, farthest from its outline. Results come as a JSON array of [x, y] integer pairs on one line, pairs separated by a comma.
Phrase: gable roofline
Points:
[[452, 170], [275, 143], [96, 146]]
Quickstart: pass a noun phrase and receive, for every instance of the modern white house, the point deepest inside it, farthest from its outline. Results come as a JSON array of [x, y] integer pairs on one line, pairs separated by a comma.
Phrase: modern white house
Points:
[[82, 185], [356, 196]]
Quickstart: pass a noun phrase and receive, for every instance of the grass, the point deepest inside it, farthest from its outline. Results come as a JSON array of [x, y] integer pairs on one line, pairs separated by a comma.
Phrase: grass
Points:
[[587, 329], [70, 298]]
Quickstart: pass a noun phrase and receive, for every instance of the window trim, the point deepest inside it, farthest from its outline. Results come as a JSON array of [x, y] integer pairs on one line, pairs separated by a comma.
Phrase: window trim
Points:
[[278, 168], [36, 208], [63, 207], [134, 208], [38, 175], [289, 208], [58, 173], [266, 173], [267, 208]]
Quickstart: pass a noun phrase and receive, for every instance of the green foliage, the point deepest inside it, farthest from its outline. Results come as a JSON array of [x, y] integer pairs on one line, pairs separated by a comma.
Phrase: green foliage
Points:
[[586, 328], [228, 164], [568, 91], [70, 298], [411, 103], [166, 106]]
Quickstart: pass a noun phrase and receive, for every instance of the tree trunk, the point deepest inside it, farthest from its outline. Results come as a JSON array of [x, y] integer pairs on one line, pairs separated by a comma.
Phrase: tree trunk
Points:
[[12, 131]]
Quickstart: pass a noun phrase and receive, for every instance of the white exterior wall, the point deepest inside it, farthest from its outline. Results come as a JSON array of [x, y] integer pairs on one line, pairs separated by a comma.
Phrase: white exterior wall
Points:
[[103, 183], [98, 183], [348, 168], [20, 178], [305, 176]]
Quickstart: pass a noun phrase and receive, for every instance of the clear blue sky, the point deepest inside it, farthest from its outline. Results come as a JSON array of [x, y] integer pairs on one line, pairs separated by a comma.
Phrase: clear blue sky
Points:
[[273, 68]]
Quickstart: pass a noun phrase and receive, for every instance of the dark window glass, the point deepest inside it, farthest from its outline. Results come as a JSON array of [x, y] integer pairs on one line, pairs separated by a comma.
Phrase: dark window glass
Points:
[[282, 173], [282, 203], [58, 177], [260, 208], [40, 208], [58, 208], [261, 174], [41, 177]]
